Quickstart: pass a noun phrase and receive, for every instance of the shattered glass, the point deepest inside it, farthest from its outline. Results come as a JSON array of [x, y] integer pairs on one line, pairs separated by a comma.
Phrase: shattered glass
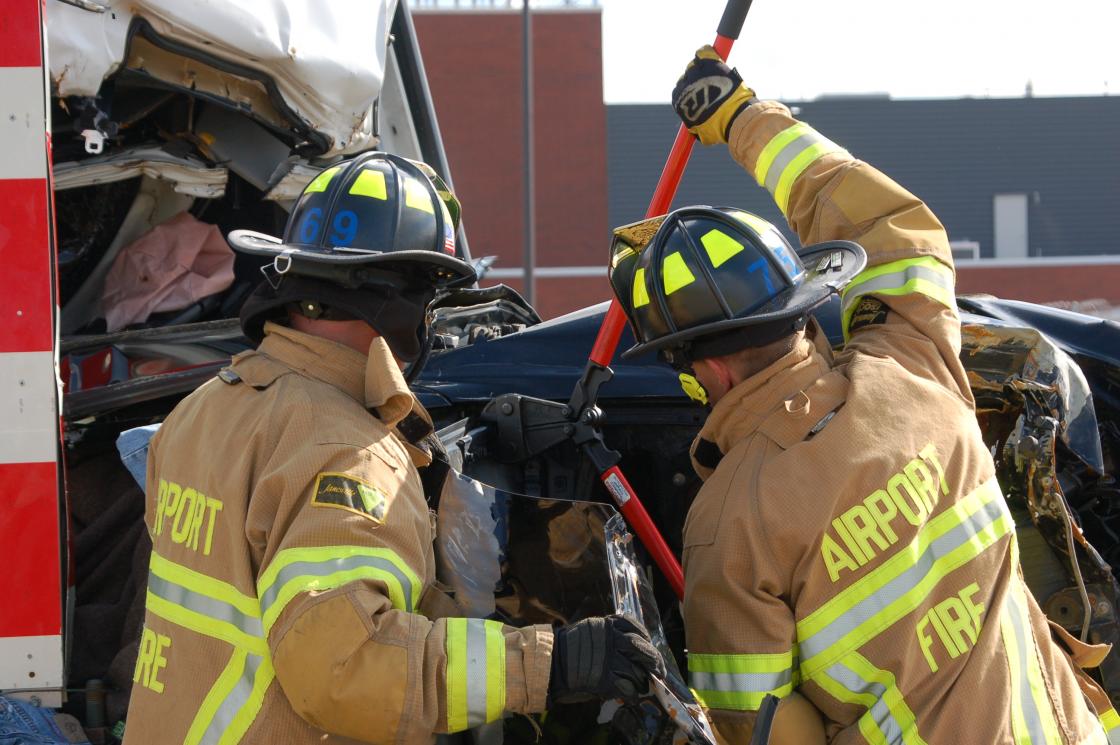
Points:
[[526, 560]]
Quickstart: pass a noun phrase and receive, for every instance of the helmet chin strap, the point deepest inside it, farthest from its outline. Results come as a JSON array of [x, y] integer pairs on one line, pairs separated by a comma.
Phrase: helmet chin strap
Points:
[[693, 388]]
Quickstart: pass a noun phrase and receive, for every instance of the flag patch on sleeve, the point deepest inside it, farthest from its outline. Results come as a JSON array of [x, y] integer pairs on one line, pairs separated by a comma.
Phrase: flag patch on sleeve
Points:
[[346, 492]]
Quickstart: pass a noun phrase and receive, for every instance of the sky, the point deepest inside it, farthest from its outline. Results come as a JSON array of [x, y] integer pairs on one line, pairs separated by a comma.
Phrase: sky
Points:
[[797, 50]]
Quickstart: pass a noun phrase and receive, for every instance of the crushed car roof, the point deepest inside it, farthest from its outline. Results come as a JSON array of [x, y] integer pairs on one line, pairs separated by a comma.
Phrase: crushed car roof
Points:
[[327, 60]]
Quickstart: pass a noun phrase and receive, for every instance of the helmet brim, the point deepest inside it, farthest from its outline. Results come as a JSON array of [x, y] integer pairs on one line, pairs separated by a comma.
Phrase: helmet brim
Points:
[[455, 270], [829, 268]]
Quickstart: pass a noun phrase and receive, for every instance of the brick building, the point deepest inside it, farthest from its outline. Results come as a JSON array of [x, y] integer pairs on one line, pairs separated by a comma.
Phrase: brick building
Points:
[[473, 60]]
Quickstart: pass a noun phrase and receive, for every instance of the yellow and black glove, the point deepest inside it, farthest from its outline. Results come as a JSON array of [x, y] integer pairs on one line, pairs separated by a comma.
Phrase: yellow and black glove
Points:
[[709, 96]]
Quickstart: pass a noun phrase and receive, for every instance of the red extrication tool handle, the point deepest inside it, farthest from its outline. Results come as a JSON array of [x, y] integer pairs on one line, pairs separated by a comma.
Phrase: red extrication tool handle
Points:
[[606, 342]]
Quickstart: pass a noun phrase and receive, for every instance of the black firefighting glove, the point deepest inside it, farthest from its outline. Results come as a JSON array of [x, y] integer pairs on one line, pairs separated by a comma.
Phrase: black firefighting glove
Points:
[[709, 96], [605, 657]]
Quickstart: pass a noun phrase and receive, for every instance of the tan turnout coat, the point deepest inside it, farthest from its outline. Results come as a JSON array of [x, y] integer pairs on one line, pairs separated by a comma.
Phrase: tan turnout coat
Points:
[[850, 541], [291, 589]]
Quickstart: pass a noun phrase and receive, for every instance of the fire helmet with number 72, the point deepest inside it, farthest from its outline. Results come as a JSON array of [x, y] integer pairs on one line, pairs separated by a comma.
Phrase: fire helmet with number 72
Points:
[[689, 278], [372, 238]]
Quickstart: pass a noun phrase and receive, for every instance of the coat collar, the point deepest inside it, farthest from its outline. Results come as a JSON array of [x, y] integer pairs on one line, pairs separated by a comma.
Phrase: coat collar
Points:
[[373, 380], [776, 400]]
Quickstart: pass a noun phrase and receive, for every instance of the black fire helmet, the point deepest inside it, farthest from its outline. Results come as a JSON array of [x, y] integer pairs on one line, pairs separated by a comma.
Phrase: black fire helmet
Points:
[[372, 237], [686, 278]]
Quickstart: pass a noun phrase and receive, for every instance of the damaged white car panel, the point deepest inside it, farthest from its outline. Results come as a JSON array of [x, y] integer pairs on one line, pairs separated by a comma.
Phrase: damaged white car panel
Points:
[[186, 175], [325, 59]]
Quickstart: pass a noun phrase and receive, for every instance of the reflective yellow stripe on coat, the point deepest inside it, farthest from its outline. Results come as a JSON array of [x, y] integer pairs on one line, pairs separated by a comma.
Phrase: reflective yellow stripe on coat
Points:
[[888, 720], [903, 582], [476, 672], [786, 157], [1110, 720], [207, 606], [1032, 716], [739, 682], [298, 570], [924, 274]]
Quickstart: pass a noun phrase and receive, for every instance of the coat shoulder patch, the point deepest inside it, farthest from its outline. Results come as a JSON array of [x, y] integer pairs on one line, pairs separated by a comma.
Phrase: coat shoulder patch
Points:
[[344, 491], [869, 312]]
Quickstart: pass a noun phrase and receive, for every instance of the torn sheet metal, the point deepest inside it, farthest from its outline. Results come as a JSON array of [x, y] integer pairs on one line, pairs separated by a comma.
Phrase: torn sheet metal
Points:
[[528, 560], [187, 176], [327, 60], [1024, 360], [289, 180], [1036, 411]]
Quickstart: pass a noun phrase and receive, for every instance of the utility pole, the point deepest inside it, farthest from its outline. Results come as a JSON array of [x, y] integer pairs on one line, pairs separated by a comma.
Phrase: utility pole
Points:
[[529, 249]]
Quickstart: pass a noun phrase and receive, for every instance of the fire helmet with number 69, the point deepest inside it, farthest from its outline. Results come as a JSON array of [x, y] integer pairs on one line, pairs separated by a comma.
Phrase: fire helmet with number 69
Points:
[[686, 278], [375, 209], [370, 238]]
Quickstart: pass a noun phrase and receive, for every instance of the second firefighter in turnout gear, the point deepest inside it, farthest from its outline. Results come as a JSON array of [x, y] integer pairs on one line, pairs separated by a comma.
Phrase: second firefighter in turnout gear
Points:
[[292, 593], [850, 549]]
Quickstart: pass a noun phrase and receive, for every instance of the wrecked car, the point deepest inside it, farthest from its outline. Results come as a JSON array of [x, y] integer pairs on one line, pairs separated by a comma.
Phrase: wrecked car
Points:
[[154, 127]]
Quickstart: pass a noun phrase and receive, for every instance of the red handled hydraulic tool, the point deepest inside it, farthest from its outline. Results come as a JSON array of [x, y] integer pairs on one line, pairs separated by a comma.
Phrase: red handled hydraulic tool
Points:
[[606, 342], [527, 426]]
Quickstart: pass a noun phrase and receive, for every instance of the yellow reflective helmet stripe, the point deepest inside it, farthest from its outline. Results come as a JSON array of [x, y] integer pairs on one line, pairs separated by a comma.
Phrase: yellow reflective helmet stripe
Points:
[[786, 156], [888, 719], [720, 246], [739, 682], [297, 570], [675, 273], [417, 197], [640, 293], [322, 181], [1032, 716], [370, 183], [901, 584], [476, 672], [924, 274], [1110, 720]]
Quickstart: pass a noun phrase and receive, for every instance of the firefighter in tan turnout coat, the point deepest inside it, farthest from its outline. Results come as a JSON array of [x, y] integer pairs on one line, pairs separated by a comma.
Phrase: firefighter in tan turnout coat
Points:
[[291, 596], [850, 550]]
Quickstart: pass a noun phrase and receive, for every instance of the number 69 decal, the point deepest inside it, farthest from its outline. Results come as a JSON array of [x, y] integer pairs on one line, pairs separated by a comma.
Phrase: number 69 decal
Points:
[[344, 227]]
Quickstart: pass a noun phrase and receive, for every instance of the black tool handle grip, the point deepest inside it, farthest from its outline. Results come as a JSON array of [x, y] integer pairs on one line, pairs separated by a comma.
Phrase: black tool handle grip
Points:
[[733, 16]]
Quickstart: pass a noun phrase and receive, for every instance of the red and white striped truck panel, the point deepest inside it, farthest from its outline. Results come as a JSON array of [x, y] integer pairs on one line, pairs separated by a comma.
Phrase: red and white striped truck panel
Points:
[[31, 515]]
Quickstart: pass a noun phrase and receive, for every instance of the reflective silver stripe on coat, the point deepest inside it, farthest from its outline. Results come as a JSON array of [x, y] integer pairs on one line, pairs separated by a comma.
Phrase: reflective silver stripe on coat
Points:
[[897, 587], [739, 682], [331, 566], [879, 711], [233, 702], [894, 280], [476, 672], [1031, 715], [204, 605], [789, 153]]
